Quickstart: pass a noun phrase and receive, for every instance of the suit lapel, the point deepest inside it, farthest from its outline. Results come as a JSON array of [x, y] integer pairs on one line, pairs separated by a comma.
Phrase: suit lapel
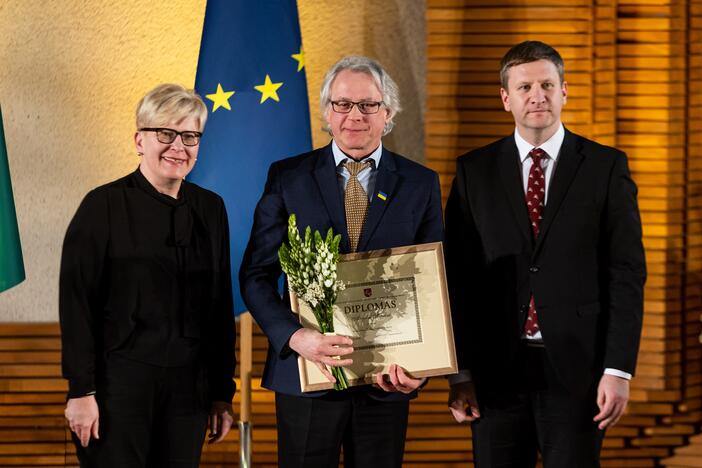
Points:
[[567, 166], [512, 183], [385, 182], [326, 177]]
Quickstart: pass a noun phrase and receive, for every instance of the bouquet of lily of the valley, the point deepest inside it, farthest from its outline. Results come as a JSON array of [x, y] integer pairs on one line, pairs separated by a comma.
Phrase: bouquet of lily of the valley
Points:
[[310, 265]]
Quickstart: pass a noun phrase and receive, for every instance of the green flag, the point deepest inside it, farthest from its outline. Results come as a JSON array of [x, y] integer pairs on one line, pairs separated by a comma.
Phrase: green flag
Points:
[[11, 264]]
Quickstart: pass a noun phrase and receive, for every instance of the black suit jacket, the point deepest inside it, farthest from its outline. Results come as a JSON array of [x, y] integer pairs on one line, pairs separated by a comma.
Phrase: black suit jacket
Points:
[[307, 185], [586, 268]]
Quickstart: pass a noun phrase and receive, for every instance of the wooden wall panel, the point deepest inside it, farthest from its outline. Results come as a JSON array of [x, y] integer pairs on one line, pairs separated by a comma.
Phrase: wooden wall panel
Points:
[[604, 83], [650, 37], [690, 412]]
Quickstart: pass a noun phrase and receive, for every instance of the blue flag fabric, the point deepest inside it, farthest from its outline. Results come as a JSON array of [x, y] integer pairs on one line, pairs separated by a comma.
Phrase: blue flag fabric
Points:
[[251, 75]]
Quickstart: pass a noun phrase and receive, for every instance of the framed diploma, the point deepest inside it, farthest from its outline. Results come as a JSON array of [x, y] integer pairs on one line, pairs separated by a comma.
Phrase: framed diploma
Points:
[[395, 308]]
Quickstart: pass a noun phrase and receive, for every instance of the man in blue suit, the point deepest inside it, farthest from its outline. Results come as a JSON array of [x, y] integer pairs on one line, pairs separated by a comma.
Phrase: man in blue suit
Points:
[[358, 101]]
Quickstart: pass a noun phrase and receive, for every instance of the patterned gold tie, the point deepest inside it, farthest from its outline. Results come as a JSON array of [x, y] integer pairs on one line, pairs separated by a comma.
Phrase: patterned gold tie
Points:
[[355, 202]]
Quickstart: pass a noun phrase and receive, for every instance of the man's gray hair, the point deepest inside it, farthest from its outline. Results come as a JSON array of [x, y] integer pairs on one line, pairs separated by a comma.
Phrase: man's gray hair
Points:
[[358, 63]]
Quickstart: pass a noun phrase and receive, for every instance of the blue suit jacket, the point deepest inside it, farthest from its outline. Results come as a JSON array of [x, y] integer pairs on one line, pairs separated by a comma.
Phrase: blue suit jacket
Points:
[[307, 185]]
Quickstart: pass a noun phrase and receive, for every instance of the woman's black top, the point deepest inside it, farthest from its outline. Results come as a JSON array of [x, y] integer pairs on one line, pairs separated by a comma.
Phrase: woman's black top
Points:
[[147, 277]]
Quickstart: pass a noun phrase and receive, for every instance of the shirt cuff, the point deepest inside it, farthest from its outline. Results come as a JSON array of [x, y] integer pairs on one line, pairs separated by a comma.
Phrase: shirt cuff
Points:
[[461, 377], [618, 373]]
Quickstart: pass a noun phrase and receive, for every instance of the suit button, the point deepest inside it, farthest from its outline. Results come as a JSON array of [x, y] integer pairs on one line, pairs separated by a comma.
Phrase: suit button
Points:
[[534, 269]]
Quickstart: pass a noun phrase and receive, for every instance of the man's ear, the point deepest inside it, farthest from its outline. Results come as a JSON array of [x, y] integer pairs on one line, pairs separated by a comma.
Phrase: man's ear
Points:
[[505, 98]]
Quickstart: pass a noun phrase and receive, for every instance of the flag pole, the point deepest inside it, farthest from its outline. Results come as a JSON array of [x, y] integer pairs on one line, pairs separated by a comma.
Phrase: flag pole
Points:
[[245, 364]]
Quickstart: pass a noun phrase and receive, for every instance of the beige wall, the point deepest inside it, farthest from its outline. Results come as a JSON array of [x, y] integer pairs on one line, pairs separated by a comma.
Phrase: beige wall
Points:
[[72, 72]]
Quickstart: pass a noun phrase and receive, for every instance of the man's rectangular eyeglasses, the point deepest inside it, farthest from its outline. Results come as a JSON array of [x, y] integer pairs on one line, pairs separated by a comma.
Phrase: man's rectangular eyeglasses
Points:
[[366, 107], [168, 136]]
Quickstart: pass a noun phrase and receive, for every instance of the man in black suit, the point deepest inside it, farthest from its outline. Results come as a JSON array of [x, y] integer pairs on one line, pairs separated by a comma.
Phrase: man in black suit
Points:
[[546, 271], [401, 205]]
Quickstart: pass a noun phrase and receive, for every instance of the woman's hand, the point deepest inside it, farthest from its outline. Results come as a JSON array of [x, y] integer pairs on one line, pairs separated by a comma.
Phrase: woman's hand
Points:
[[83, 418]]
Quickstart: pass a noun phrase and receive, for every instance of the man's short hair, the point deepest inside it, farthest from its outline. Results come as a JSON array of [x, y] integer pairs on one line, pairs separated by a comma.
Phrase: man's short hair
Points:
[[526, 52], [360, 64]]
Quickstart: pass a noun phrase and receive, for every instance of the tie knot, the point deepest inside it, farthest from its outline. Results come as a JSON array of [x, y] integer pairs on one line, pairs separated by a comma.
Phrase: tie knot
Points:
[[354, 167], [537, 154]]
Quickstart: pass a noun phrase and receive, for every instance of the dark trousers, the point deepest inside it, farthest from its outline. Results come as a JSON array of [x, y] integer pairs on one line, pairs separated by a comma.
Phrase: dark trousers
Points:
[[540, 415], [149, 417], [311, 431]]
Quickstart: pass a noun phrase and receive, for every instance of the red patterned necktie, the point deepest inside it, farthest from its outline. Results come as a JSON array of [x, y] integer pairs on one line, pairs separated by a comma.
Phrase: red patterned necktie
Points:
[[535, 196]]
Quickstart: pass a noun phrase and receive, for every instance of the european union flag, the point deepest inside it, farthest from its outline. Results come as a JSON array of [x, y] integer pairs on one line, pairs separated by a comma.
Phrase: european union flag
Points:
[[251, 75]]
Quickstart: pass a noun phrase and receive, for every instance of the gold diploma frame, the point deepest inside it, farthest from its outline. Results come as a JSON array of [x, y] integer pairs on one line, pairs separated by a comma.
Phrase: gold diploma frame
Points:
[[395, 308]]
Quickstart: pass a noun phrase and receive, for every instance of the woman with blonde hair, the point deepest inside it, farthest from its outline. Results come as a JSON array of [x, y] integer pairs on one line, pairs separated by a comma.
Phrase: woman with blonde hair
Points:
[[145, 302]]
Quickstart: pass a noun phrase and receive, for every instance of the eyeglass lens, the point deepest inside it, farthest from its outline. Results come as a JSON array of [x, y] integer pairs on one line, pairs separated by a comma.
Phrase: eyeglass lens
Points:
[[168, 136], [366, 107]]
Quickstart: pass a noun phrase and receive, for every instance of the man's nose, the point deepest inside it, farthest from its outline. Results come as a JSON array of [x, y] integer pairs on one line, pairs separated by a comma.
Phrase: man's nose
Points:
[[537, 95], [356, 113]]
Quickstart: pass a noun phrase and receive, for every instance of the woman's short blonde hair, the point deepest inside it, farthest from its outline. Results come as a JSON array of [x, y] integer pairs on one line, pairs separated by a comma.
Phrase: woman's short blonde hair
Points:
[[168, 103]]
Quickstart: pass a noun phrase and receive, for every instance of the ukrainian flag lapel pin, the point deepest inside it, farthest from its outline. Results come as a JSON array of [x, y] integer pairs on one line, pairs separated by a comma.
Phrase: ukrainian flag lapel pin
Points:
[[382, 195]]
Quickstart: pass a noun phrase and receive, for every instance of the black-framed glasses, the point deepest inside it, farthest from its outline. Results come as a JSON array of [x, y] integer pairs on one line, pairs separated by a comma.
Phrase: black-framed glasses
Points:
[[168, 136], [366, 107]]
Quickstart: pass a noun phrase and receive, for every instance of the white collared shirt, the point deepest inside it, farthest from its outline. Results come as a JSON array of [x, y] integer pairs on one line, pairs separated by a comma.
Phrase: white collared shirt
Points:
[[366, 177], [552, 148]]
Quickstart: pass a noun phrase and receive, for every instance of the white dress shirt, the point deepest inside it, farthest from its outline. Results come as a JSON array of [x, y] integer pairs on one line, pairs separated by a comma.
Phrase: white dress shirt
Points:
[[366, 177]]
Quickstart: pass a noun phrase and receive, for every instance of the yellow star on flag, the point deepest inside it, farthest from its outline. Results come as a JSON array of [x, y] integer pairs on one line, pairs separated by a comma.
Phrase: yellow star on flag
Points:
[[220, 98], [300, 59], [268, 90]]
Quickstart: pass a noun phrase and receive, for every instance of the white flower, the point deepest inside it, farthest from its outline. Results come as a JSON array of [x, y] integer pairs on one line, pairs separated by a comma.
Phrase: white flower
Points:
[[328, 283]]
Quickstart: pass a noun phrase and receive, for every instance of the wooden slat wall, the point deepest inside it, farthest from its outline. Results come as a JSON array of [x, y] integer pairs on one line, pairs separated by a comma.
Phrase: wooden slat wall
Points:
[[33, 431], [634, 69], [691, 454], [31, 397], [654, 137], [604, 83]]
